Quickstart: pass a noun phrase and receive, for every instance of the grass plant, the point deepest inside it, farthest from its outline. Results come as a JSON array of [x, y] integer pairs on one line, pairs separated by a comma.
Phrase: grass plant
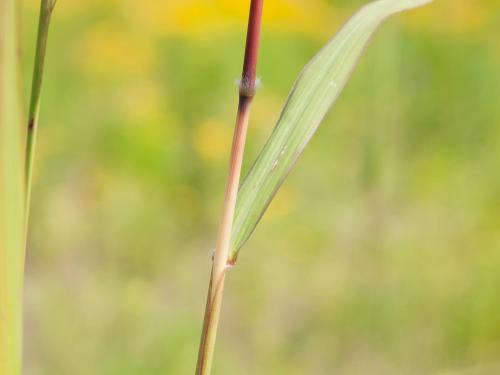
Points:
[[314, 92], [220, 259], [16, 163]]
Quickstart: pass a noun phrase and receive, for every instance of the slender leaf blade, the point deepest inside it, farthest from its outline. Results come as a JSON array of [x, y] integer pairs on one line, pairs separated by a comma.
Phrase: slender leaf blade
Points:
[[314, 92]]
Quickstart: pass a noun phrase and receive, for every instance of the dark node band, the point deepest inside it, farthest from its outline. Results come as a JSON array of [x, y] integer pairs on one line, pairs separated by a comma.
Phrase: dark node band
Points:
[[248, 87]]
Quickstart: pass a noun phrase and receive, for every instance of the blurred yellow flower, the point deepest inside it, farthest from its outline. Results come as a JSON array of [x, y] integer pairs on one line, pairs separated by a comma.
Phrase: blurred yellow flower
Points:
[[212, 140], [202, 18], [108, 52]]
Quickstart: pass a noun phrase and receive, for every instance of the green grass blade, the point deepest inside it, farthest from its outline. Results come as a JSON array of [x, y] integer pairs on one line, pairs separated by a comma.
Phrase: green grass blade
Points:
[[312, 95], [46, 9], [12, 186]]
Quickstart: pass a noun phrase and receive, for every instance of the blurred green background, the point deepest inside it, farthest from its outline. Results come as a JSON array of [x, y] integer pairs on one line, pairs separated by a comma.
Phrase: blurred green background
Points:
[[381, 253]]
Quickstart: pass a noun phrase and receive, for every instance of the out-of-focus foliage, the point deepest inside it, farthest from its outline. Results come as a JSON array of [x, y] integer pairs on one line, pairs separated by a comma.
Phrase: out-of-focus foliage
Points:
[[381, 254]]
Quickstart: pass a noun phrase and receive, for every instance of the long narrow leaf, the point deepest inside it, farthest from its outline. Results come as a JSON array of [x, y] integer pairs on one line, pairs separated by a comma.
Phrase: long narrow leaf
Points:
[[11, 193], [46, 9], [314, 92]]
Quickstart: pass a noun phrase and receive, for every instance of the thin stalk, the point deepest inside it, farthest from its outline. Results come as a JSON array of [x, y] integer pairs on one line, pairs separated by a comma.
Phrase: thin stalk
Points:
[[220, 260], [46, 8]]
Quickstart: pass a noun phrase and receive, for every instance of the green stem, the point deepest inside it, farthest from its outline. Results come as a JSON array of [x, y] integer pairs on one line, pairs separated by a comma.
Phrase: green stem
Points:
[[46, 8]]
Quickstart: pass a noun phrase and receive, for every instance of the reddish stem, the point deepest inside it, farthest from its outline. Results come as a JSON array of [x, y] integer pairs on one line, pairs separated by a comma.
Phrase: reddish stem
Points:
[[219, 266]]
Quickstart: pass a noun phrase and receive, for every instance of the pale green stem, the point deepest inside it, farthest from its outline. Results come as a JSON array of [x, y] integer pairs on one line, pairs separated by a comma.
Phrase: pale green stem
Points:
[[219, 267], [11, 192]]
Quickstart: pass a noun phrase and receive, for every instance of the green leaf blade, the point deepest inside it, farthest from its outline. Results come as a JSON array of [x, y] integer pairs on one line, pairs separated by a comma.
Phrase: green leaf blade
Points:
[[314, 92]]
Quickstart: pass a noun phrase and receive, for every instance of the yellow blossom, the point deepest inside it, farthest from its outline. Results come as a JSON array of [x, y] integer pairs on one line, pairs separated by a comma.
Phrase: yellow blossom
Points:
[[212, 140], [107, 51]]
